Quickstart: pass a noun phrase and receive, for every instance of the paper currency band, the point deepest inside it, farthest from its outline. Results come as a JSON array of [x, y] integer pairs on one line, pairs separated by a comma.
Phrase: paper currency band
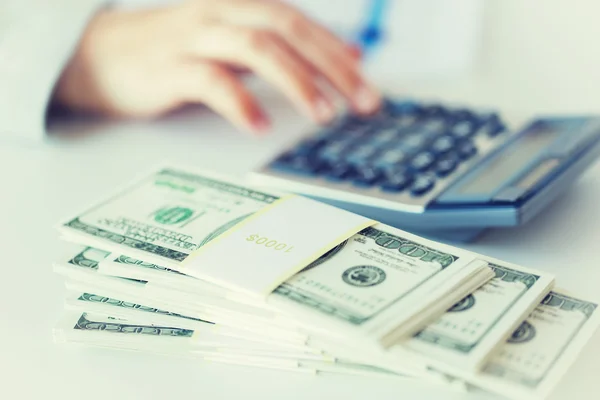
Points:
[[273, 244]]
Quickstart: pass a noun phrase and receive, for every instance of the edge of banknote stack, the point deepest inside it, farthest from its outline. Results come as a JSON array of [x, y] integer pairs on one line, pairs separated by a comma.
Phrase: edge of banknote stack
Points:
[[195, 264]]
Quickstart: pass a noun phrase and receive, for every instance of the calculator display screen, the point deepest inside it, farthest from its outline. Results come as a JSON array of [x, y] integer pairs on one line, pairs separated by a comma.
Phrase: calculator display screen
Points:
[[509, 162]]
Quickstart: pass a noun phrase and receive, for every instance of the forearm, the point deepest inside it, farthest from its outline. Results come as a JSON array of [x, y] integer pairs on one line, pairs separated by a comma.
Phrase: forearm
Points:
[[37, 38]]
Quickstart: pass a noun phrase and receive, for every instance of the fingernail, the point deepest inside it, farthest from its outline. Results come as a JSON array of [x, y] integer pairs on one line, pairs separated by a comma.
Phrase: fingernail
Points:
[[323, 111], [355, 52], [366, 99], [260, 123]]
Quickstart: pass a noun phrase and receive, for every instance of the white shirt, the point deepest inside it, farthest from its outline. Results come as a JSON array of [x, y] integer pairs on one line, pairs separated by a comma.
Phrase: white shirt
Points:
[[37, 38]]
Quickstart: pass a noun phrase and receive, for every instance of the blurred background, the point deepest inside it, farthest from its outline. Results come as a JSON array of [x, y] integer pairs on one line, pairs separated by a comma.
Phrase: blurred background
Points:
[[534, 56]]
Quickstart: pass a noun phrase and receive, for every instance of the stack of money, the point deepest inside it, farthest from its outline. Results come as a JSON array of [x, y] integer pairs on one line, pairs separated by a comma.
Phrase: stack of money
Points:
[[171, 265]]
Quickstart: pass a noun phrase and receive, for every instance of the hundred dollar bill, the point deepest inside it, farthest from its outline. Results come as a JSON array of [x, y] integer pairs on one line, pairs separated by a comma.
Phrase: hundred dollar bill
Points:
[[462, 337], [376, 281], [124, 266], [468, 333], [159, 276], [167, 216], [84, 267], [110, 332], [378, 270], [100, 330], [172, 213], [89, 327], [504, 292], [81, 269], [541, 350], [531, 362], [88, 259], [415, 265], [121, 309], [490, 314]]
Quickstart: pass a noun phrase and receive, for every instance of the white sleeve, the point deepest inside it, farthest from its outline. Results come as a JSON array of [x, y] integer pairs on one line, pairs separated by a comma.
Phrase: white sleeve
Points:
[[37, 38]]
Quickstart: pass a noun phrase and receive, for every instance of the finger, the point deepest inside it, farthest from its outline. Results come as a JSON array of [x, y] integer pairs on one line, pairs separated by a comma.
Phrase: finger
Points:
[[266, 13], [356, 52], [271, 58], [331, 57], [221, 90]]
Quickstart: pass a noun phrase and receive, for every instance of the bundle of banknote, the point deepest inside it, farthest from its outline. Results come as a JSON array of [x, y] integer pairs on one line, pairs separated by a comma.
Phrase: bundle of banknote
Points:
[[375, 301]]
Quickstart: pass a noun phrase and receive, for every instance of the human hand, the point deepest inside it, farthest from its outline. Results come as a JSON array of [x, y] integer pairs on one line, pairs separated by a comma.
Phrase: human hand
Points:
[[143, 63]]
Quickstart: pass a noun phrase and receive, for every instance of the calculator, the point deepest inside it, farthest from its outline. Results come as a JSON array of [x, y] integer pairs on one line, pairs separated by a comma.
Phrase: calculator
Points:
[[439, 171]]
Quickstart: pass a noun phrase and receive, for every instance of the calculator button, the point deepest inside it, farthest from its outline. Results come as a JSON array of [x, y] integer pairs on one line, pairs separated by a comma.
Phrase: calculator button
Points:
[[334, 151], [434, 125], [422, 184], [405, 121], [284, 158], [446, 166], [422, 161], [301, 165], [304, 164], [403, 108], [365, 176], [352, 121], [327, 132], [463, 114], [362, 154], [443, 144], [463, 129], [467, 150], [308, 146], [489, 118], [384, 136], [338, 171], [413, 142], [435, 111], [390, 108], [389, 158], [396, 182], [354, 132], [395, 170], [494, 129]]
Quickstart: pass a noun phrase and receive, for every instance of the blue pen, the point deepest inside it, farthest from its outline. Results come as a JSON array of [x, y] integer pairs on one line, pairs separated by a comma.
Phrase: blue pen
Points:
[[372, 32]]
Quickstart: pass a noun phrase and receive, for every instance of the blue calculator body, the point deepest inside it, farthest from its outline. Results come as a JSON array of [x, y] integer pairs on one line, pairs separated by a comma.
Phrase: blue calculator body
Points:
[[438, 171]]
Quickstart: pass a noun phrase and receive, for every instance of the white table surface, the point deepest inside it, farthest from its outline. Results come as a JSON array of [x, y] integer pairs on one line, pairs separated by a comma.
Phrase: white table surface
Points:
[[84, 160]]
